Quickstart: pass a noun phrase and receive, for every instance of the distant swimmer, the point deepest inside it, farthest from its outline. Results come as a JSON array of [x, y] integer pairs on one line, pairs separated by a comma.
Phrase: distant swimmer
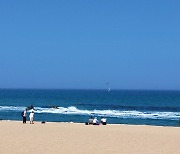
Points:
[[30, 107], [54, 107]]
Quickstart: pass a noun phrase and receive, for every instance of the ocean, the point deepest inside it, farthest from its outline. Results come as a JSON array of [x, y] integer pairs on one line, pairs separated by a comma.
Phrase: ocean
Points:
[[137, 107]]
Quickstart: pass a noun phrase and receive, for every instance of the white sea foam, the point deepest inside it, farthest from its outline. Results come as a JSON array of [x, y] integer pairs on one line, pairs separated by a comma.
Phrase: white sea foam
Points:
[[107, 113], [12, 108]]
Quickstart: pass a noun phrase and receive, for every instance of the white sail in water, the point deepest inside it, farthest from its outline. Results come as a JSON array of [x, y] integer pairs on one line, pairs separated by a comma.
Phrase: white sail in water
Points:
[[109, 89]]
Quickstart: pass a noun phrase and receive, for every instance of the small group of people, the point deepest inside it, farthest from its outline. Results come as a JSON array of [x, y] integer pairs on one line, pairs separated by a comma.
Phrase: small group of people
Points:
[[31, 116], [95, 121]]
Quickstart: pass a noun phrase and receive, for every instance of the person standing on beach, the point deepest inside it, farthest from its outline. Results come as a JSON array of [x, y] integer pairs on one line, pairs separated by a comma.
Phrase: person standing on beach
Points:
[[31, 117], [24, 116]]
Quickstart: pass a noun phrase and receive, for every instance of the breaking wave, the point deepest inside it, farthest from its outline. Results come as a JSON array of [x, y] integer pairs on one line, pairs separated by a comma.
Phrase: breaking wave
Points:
[[72, 110]]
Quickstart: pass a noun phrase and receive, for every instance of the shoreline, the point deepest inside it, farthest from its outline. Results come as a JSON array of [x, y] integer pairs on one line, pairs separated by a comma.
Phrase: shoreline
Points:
[[20, 121], [60, 137]]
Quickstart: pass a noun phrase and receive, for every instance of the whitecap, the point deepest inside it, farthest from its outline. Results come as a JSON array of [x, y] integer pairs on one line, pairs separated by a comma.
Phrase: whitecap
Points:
[[72, 110]]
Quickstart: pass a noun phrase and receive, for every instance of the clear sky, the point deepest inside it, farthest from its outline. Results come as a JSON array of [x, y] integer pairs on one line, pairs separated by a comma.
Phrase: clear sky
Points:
[[83, 44]]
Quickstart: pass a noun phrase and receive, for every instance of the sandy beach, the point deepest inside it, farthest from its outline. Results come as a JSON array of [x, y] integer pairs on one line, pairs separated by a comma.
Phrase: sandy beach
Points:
[[52, 138]]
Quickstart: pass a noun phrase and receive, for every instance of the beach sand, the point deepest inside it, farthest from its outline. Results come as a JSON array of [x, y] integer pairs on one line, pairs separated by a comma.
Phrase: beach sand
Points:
[[67, 138]]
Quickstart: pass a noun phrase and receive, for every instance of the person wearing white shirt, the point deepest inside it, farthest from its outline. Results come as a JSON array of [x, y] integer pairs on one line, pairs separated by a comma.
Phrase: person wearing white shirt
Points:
[[24, 116], [95, 121], [103, 121], [31, 117], [91, 120]]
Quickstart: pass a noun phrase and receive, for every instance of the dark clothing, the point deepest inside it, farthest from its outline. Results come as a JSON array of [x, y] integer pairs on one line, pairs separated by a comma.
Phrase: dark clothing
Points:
[[95, 124], [103, 123], [24, 119]]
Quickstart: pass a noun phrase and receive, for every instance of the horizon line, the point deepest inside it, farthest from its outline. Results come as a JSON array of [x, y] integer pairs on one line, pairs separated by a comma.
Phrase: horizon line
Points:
[[89, 89]]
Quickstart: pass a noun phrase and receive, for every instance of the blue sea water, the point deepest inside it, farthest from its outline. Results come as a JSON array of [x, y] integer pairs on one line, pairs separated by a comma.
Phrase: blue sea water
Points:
[[118, 106]]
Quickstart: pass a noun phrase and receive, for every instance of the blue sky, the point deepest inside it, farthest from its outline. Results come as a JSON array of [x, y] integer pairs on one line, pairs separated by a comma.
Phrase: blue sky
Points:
[[82, 44]]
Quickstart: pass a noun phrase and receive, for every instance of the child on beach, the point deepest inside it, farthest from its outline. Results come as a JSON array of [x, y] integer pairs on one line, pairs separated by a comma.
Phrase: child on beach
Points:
[[31, 117]]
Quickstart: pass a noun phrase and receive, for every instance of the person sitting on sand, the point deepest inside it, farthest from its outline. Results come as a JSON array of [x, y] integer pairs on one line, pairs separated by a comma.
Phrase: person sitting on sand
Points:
[[103, 121], [91, 120], [31, 117], [95, 121]]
